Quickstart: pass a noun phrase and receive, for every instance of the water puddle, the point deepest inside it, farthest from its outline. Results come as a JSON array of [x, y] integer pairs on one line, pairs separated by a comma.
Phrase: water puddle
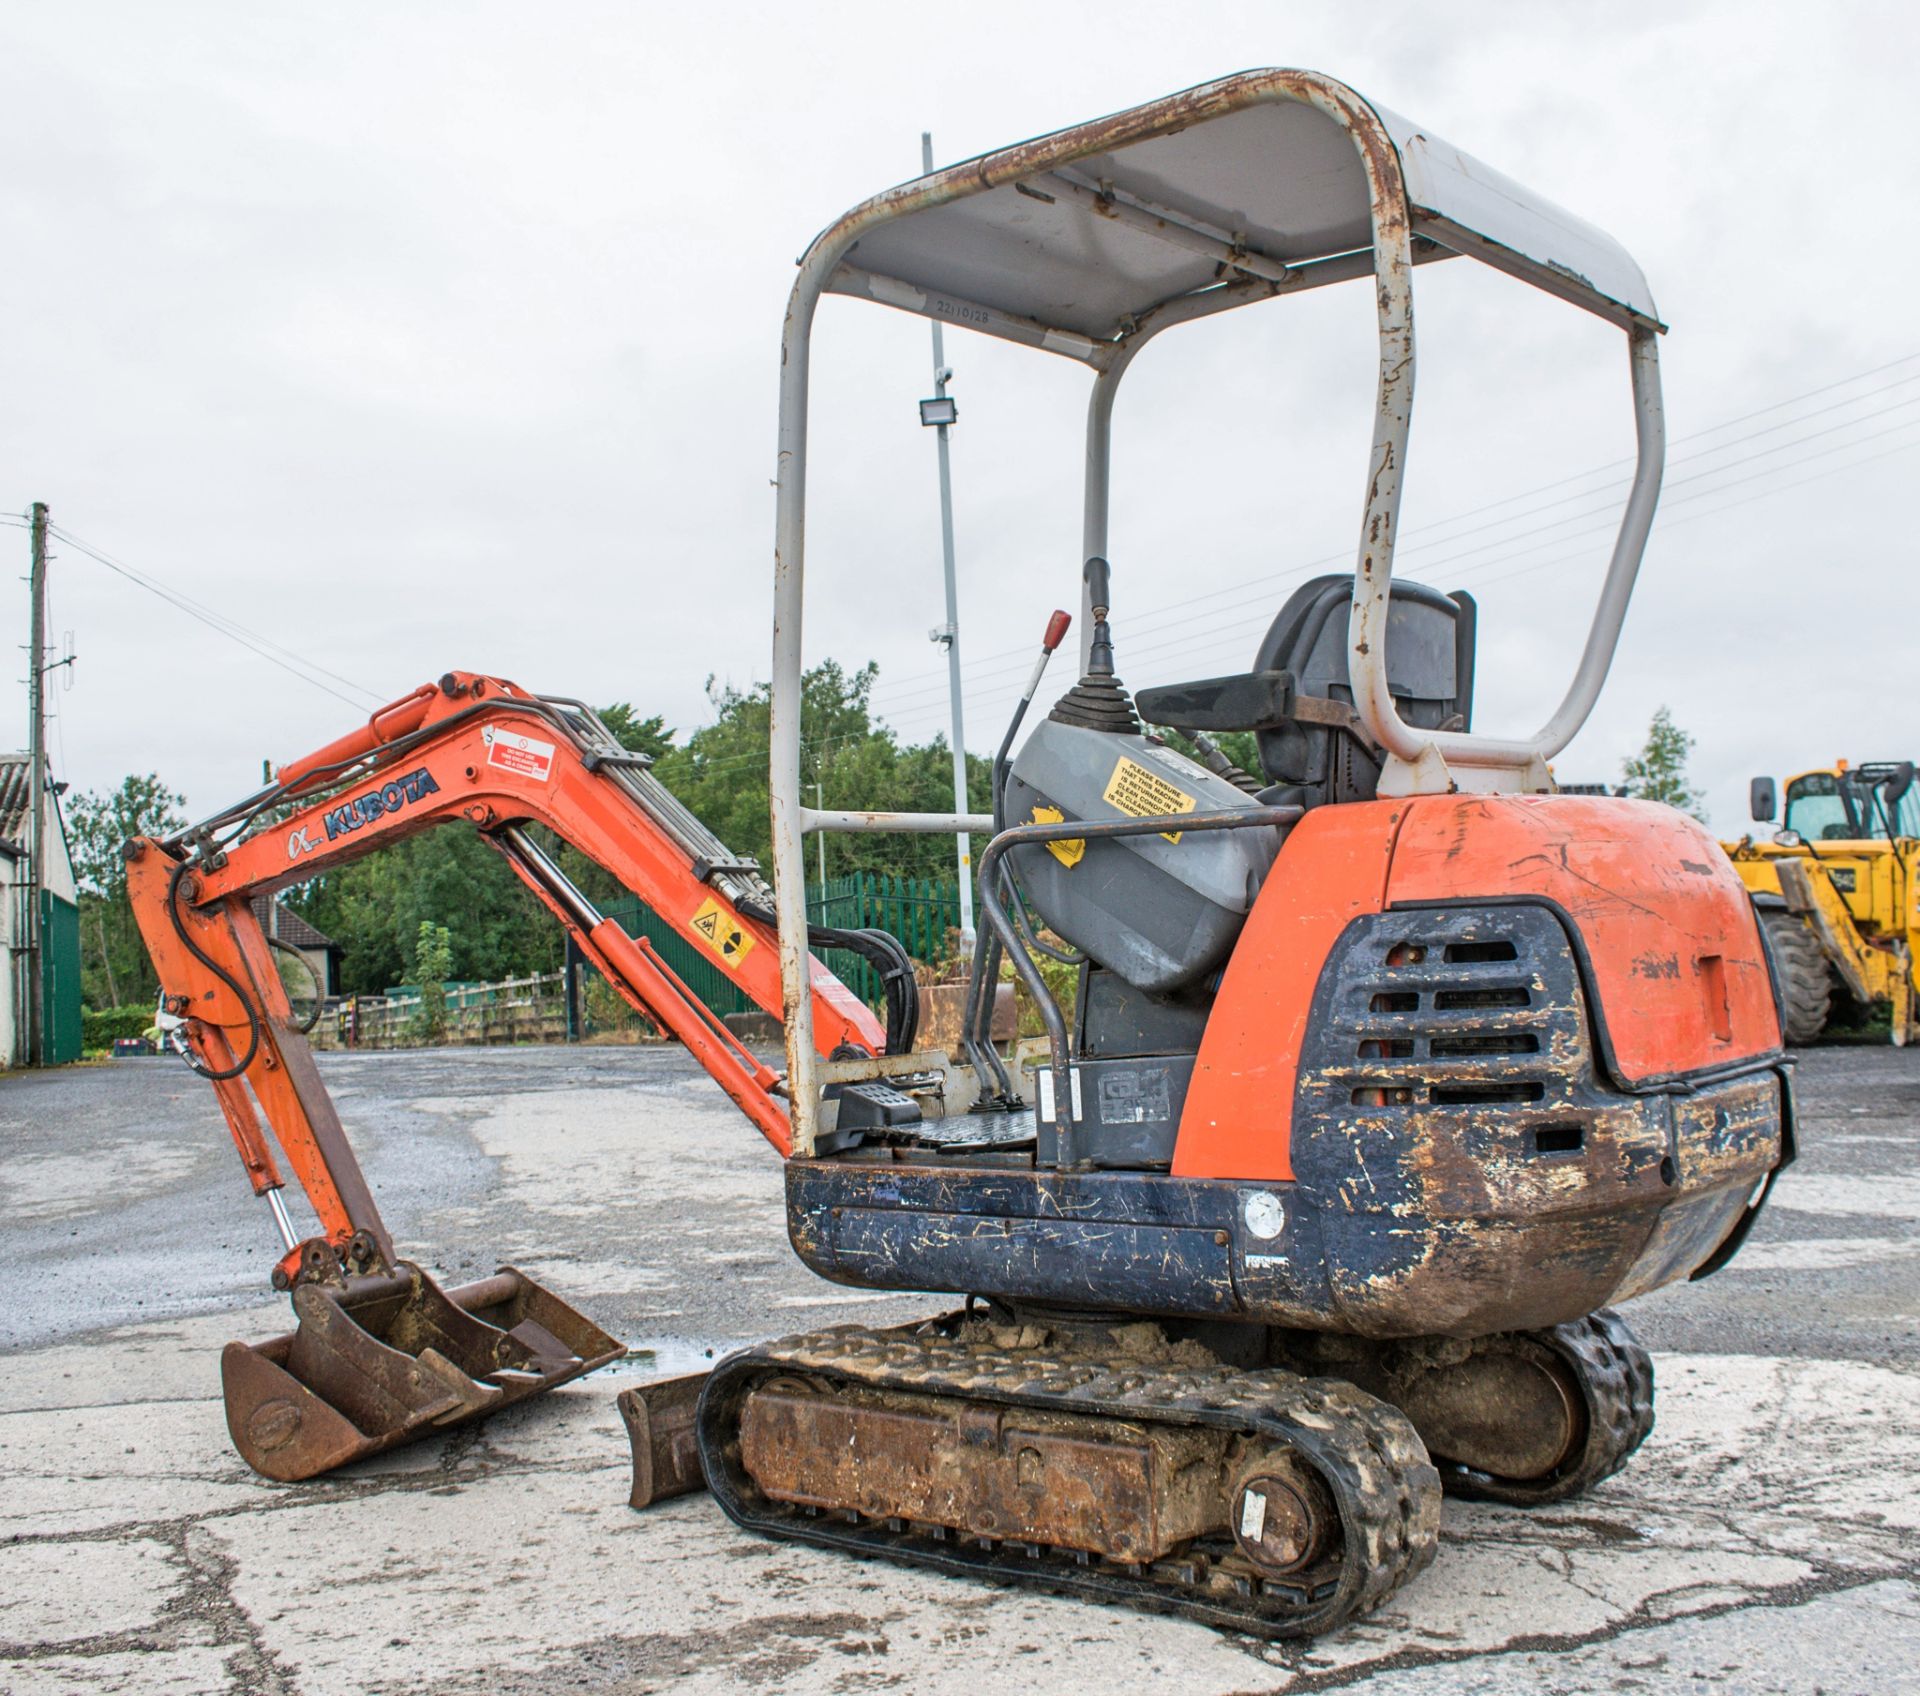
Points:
[[666, 1357]]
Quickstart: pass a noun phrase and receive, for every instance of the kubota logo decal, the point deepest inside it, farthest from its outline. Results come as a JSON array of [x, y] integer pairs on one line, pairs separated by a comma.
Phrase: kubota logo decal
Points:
[[299, 842], [375, 804]]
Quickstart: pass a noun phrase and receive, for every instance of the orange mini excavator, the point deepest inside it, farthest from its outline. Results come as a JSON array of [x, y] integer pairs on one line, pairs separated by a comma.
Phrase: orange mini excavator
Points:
[[1388, 1068]]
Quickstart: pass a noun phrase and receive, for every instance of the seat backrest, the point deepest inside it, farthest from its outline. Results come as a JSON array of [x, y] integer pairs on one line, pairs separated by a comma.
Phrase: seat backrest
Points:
[[1430, 642]]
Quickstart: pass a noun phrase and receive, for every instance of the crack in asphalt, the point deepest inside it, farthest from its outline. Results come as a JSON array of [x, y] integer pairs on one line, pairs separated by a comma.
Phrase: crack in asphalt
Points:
[[201, 1611], [206, 1596], [1833, 1581]]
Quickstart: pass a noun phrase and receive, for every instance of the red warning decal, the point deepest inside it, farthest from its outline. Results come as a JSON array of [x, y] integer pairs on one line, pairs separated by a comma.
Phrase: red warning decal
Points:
[[525, 756]]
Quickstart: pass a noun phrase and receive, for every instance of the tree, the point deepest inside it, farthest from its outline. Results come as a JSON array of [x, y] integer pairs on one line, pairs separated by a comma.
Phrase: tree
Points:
[[636, 734], [449, 876], [114, 969], [374, 908], [432, 966], [1659, 771], [720, 773]]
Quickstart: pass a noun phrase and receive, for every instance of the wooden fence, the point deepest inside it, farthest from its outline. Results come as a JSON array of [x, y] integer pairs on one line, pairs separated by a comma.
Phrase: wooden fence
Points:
[[529, 1009]]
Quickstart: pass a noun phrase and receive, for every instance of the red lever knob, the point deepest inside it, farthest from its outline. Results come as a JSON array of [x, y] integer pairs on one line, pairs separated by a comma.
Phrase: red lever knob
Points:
[[1056, 630]]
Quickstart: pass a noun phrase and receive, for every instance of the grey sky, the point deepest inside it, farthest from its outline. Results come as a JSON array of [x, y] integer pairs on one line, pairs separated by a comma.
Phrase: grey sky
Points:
[[417, 337]]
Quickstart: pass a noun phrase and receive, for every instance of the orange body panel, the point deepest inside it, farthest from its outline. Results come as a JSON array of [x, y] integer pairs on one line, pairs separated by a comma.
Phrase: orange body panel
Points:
[[1678, 969], [1652, 896], [1332, 868]]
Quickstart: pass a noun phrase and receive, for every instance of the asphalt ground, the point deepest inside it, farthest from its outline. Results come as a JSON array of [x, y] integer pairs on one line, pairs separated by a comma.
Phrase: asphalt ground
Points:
[[1767, 1538]]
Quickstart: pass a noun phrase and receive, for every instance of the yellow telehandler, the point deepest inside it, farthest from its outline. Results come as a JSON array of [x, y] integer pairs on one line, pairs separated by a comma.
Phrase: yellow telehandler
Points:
[[1838, 889]]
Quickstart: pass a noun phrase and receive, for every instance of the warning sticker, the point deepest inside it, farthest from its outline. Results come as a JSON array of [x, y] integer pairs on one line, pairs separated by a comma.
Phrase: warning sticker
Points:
[[1141, 794], [1069, 852], [524, 756], [721, 932]]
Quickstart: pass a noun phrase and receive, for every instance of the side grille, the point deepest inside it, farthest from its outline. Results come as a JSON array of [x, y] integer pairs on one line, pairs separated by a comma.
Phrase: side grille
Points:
[[1451, 1007]]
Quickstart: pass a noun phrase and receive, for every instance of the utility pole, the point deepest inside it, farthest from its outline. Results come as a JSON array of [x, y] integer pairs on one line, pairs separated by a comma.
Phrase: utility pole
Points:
[[941, 413], [37, 779]]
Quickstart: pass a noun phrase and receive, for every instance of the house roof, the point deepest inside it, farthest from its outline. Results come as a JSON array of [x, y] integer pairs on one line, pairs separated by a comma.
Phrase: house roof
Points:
[[16, 800], [289, 927], [16, 823]]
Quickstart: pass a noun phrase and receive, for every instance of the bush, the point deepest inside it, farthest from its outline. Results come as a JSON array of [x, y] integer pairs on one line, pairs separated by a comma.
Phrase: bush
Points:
[[100, 1027]]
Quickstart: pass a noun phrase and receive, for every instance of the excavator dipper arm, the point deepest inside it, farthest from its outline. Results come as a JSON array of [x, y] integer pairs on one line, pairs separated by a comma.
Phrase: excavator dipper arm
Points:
[[381, 1353]]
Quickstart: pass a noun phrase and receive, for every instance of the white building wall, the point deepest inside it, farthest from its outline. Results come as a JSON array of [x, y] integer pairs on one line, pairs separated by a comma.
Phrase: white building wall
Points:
[[59, 877], [12, 943]]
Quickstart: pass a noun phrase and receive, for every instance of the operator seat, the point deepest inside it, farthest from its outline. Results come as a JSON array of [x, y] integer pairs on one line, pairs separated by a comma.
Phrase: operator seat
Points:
[[1311, 754]]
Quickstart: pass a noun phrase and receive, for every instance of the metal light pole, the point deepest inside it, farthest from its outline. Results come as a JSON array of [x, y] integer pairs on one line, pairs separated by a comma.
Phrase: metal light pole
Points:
[[940, 412]]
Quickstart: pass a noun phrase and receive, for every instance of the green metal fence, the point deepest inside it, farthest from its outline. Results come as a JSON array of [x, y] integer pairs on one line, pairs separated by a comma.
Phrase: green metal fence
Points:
[[921, 912], [694, 966]]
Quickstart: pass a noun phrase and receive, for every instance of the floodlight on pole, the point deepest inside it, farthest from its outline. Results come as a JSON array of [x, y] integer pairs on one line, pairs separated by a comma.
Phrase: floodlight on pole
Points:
[[939, 413]]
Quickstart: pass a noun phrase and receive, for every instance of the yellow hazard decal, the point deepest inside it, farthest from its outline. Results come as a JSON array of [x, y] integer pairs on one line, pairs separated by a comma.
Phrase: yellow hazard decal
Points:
[[1068, 853], [1141, 794], [722, 932]]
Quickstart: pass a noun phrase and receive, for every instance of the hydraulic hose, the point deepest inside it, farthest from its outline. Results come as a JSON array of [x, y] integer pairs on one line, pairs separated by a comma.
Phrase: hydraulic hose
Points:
[[883, 951], [225, 976]]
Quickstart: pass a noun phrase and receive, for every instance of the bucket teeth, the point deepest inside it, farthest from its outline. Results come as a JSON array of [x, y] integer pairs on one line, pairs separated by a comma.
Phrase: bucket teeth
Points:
[[381, 1359]]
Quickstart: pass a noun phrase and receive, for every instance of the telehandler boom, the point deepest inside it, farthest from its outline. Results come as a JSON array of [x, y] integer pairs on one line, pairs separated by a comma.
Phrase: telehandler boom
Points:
[[1388, 1070]]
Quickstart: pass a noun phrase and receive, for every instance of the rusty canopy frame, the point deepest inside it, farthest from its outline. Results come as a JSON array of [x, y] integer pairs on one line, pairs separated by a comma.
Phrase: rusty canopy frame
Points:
[[1088, 242]]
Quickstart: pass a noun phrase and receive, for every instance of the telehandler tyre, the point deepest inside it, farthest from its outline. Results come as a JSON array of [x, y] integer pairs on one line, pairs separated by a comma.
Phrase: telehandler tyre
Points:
[[1806, 981]]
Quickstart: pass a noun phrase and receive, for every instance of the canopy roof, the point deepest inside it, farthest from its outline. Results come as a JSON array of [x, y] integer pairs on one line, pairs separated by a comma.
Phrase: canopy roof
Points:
[[1234, 191]]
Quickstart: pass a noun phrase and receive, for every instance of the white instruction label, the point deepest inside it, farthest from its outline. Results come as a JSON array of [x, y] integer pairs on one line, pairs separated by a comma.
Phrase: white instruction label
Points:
[[1043, 1082], [1253, 1515]]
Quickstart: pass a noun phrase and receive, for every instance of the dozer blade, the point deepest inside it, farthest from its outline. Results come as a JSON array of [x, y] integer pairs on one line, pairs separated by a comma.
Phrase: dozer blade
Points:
[[382, 1359], [663, 1424], [666, 1449]]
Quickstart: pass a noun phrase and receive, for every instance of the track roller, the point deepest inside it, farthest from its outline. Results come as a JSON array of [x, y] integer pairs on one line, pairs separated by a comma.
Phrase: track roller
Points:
[[1521, 1417]]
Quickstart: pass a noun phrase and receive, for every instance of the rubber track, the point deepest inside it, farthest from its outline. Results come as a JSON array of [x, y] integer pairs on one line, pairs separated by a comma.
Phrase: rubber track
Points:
[[1384, 1486], [1616, 1380]]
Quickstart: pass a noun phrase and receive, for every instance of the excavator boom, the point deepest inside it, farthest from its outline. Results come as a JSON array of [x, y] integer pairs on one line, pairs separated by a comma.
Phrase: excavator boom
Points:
[[381, 1354]]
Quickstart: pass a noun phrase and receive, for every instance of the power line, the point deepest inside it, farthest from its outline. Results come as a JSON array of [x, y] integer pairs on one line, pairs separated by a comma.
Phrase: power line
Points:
[[1222, 621], [1746, 500], [1163, 651], [1011, 661], [265, 647]]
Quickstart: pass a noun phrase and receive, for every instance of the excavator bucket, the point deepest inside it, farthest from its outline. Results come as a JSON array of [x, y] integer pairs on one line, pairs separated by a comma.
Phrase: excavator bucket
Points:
[[384, 1358]]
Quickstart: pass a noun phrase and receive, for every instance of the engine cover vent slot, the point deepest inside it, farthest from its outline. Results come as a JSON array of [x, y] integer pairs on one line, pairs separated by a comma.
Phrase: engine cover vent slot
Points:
[[1469, 1095], [1498, 948], [1503, 1042], [1504, 995], [1465, 1010]]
